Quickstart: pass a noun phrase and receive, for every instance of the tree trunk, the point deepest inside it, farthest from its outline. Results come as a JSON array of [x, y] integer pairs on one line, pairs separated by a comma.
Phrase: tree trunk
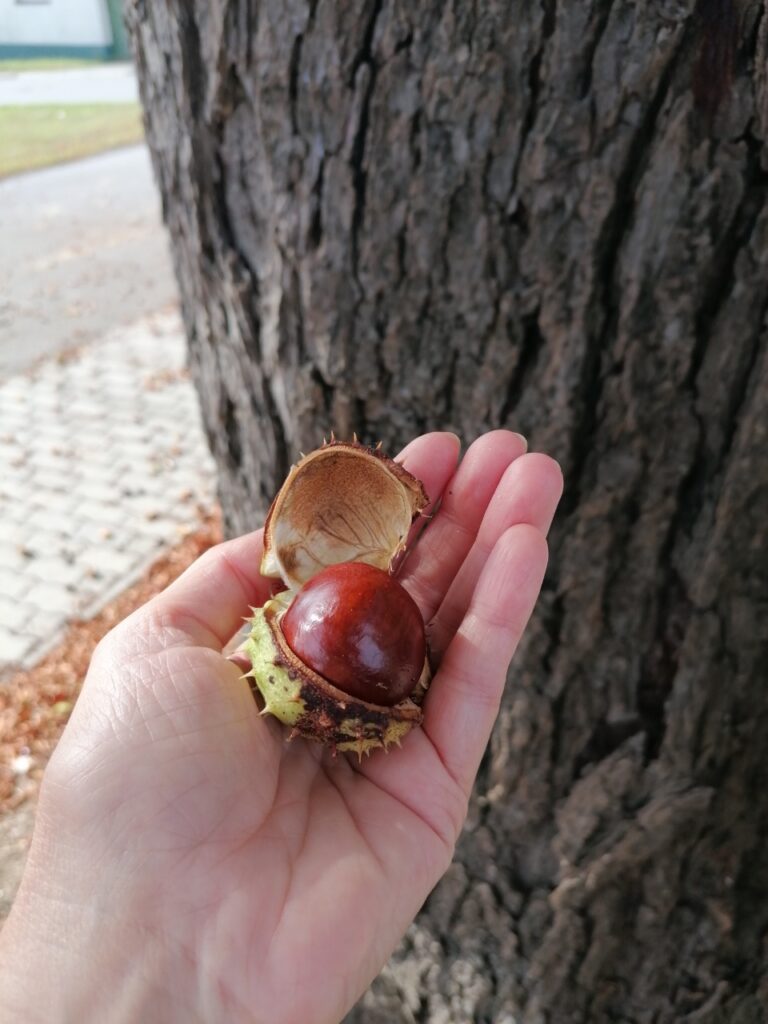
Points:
[[389, 217]]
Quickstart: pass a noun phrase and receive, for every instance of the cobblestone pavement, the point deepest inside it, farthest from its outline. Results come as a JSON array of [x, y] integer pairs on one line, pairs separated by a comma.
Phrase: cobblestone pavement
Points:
[[103, 464]]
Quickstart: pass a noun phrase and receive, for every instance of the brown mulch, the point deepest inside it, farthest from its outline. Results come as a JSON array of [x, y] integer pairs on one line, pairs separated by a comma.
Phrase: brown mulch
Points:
[[35, 704]]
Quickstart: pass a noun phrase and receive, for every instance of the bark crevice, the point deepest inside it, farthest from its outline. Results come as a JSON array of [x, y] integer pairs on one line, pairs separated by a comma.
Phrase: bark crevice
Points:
[[364, 67]]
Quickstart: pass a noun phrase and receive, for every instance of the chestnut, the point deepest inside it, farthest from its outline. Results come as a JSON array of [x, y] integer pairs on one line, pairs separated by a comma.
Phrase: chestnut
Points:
[[356, 626], [340, 654]]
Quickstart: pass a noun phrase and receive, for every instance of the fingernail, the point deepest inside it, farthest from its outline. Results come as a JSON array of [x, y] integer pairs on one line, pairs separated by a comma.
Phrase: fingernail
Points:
[[523, 441], [456, 438]]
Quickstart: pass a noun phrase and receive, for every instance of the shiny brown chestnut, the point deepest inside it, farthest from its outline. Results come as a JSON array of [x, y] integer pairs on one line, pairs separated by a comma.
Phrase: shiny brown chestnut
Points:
[[358, 628]]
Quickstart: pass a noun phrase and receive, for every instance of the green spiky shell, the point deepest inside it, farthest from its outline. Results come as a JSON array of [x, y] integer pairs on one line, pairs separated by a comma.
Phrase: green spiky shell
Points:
[[310, 705]]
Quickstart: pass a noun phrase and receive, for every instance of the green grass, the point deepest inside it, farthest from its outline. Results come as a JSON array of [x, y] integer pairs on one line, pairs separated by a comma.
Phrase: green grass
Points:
[[40, 135], [45, 63]]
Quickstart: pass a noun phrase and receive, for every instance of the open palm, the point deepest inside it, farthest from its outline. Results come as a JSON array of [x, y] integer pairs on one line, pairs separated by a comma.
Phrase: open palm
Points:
[[254, 879]]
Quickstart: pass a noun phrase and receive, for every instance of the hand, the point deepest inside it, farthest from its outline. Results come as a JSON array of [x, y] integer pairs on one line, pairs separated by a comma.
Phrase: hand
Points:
[[189, 864]]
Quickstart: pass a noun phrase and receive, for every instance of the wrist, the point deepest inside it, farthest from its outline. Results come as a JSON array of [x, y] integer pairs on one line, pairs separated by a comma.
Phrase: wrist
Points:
[[64, 957]]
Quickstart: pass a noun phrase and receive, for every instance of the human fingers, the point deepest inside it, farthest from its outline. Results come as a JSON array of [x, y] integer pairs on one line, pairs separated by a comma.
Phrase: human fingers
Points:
[[528, 493], [463, 701], [444, 544]]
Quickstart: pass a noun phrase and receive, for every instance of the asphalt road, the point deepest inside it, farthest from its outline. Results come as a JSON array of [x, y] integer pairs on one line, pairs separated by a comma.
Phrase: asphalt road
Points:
[[103, 83], [82, 249]]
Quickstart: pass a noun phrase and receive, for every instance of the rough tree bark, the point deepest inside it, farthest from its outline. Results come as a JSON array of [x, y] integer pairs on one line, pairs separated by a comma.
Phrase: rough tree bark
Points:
[[388, 217]]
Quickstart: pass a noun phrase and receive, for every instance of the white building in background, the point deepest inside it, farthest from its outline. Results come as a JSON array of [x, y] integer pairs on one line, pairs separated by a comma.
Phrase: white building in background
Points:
[[62, 28]]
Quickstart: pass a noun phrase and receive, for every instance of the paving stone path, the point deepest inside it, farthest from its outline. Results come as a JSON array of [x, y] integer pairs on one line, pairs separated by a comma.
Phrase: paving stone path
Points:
[[103, 465]]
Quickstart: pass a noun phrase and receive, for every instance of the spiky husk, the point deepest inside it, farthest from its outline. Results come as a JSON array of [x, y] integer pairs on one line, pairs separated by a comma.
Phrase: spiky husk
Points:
[[312, 706]]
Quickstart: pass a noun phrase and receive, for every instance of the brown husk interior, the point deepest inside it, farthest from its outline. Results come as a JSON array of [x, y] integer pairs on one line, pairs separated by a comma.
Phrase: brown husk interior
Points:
[[342, 503]]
